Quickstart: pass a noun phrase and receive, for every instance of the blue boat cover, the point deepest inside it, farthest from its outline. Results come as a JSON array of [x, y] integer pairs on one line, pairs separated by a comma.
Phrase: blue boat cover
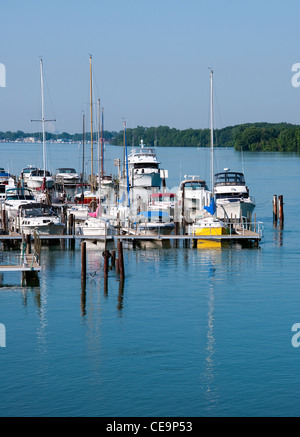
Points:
[[212, 207]]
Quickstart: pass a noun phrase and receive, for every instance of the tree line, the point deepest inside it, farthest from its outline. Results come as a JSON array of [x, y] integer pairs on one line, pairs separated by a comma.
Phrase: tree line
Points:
[[282, 137]]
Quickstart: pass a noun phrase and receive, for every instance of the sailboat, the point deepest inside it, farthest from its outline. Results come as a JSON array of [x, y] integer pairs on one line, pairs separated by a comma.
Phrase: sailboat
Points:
[[95, 225], [208, 224], [41, 180]]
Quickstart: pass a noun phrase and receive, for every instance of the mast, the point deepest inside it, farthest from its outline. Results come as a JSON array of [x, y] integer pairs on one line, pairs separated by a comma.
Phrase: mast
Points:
[[99, 179], [43, 117], [211, 132], [91, 109], [126, 158], [102, 144], [43, 125], [83, 134]]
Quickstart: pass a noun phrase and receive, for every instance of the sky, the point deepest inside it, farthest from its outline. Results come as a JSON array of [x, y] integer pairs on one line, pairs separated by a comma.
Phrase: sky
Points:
[[150, 62]]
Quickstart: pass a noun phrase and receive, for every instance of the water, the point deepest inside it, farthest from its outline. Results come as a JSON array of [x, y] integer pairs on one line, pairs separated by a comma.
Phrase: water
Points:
[[190, 332]]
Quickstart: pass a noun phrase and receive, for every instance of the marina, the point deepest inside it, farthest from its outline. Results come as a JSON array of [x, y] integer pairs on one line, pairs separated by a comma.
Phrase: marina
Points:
[[167, 323]]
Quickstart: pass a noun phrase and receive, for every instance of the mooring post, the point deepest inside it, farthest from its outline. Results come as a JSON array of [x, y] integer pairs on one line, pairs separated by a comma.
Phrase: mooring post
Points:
[[83, 261], [121, 260], [106, 256], [275, 209], [28, 244], [280, 208]]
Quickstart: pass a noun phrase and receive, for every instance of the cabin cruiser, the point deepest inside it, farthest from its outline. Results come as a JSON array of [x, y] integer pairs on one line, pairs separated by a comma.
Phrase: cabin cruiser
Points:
[[40, 178], [152, 222], [39, 218], [4, 176], [232, 196], [15, 197], [143, 167], [67, 176], [26, 172], [193, 195]]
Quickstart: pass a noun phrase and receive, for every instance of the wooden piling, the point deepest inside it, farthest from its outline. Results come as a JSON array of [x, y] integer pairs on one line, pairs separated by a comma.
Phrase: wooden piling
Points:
[[83, 261], [121, 260], [280, 209], [28, 244], [106, 255], [275, 209]]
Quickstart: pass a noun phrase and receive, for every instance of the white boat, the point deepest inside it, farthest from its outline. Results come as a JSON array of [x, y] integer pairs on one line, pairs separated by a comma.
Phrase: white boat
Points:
[[232, 196], [193, 195], [67, 176], [4, 176], [152, 222], [15, 197], [96, 227], [26, 172], [40, 180], [39, 218], [143, 168]]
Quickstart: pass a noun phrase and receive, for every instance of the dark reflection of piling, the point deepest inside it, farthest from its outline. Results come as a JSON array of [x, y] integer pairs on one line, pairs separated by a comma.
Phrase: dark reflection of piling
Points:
[[105, 286], [83, 298], [120, 295]]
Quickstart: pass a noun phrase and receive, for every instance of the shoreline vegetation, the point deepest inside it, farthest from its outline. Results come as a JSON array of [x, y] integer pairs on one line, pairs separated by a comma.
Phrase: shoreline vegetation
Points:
[[280, 137]]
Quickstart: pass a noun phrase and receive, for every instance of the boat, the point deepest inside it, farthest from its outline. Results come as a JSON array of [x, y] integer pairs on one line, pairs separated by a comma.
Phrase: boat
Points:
[[4, 176], [39, 218], [232, 196], [40, 179], [96, 226], [152, 222], [143, 167], [193, 195], [25, 173], [207, 224], [67, 176], [15, 197]]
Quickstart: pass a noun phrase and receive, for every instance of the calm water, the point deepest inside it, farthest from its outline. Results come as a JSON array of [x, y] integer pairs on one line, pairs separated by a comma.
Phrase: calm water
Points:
[[190, 332]]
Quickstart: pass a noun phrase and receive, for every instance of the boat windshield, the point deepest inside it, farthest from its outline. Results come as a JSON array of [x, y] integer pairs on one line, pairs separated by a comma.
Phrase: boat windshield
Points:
[[194, 185], [66, 170], [19, 195], [229, 178], [146, 165]]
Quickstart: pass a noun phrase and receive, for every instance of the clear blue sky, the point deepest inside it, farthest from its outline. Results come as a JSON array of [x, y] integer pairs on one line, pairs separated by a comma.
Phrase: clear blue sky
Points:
[[150, 62]]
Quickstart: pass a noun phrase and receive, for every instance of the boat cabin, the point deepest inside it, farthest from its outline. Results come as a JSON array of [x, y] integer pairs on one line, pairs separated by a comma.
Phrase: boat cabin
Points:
[[229, 178]]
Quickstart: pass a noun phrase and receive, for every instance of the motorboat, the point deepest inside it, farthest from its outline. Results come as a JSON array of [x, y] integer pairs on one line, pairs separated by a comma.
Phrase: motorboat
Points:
[[143, 167], [152, 222], [39, 218], [4, 176], [67, 176], [96, 227], [232, 196], [15, 197], [40, 179], [25, 173], [193, 195]]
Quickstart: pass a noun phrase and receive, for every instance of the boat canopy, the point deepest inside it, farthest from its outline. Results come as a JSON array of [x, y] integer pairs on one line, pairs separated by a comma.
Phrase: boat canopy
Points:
[[229, 178]]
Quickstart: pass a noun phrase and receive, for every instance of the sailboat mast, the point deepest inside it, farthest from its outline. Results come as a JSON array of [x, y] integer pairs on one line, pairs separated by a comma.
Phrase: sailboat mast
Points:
[[43, 117], [91, 109], [102, 145], [83, 134], [211, 131]]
